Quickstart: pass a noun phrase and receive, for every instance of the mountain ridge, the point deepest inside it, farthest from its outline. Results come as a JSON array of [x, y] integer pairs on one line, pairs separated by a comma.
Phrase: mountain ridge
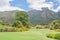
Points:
[[45, 16]]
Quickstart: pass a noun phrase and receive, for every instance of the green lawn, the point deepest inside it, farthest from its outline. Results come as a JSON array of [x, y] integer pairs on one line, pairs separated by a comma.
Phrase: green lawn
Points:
[[33, 34]]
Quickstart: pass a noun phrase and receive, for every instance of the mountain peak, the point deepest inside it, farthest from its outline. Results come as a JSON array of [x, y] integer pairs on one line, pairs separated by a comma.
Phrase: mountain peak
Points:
[[45, 8], [45, 16]]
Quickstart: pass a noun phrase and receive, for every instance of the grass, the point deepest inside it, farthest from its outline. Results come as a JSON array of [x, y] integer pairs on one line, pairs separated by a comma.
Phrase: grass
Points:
[[33, 34]]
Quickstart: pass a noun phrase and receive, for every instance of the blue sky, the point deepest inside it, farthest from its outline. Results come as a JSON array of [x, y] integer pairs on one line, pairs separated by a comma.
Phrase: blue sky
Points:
[[21, 4], [7, 5], [24, 5], [56, 4]]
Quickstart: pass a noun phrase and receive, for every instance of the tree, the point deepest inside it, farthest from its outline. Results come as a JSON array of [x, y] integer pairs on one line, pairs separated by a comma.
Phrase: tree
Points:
[[55, 24], [18, 24], [22, 18]]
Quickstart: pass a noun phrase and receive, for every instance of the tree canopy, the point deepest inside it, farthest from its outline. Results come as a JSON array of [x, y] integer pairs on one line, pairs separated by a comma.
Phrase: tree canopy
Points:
[[22, 19]]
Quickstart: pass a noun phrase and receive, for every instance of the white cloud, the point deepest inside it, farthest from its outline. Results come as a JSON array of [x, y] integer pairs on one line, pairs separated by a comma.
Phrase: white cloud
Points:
[[57, 9], [5, 6], [39, 4]]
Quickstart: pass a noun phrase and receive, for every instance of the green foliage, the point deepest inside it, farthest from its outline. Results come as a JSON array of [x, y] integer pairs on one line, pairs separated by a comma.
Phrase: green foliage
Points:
[[22, 18], [18, 24], [21, 29], [39, 27], [7, 29], [55, 24], [50, 35], [55, 36], [3, 23]]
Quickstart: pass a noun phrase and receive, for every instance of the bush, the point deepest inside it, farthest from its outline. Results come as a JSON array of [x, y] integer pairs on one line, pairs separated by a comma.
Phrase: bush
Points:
[[18, 30], [51, 35], [12, 29], [21, 29], [55, 25], [7, 29], [39, 26], [57, 36]]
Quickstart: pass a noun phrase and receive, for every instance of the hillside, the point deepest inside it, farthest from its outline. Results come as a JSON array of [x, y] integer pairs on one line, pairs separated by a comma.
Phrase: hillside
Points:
[[7, 16], [44, 16]]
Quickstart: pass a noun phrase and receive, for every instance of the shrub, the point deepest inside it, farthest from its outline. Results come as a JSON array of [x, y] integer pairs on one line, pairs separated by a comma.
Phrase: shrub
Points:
[[38, 26], [12, 29], [21, 29], [7, 29], [18, 30], [51, 35], [55, 24], [57, 36]]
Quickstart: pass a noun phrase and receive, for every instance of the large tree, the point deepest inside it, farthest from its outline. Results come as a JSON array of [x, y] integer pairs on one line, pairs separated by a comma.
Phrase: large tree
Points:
[[22, 19]]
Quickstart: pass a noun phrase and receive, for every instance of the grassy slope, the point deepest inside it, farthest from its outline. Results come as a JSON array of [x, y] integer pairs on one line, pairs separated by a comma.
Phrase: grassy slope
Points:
[[33, 34]]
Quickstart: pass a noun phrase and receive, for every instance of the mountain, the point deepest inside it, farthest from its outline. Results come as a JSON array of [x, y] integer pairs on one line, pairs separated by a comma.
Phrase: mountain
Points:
[[8, 16], [45, 16]]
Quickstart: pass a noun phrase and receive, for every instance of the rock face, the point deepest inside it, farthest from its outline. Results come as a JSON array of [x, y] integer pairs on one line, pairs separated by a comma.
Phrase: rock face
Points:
[[45, 16]]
